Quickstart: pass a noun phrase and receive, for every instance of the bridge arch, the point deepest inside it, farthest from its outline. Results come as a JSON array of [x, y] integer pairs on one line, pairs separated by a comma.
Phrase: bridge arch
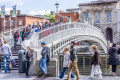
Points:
[[60, 36]]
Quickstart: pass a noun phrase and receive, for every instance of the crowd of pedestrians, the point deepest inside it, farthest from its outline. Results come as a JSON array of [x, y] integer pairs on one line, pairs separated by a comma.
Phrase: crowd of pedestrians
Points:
[[28, 30], [70, 54]]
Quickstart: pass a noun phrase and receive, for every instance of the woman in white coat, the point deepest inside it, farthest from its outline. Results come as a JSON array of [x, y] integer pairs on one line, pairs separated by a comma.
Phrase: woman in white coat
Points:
[[66, 64]]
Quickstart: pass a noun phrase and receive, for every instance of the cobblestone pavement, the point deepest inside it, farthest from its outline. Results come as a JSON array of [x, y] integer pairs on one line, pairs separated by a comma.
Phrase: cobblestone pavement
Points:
[[21, 76]]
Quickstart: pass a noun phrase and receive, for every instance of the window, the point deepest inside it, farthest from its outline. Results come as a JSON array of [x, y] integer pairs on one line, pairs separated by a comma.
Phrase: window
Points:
[[61, 19], [20, 23], [86, 16], [11, 22], [68, 18], [97, 17], [108, 17]]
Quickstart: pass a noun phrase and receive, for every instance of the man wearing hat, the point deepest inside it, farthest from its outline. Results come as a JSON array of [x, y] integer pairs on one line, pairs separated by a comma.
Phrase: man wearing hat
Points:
[[44, 53]]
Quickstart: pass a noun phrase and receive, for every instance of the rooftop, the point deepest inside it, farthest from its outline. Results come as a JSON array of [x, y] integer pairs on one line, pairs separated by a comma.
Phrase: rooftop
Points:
[[25, 15], [98, 2]]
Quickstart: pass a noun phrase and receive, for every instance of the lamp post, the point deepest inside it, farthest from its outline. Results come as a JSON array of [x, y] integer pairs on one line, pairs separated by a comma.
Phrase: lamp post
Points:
[[57, 5]]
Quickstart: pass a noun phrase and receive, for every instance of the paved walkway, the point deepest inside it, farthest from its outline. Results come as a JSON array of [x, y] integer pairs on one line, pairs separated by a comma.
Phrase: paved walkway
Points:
[[14, 75]]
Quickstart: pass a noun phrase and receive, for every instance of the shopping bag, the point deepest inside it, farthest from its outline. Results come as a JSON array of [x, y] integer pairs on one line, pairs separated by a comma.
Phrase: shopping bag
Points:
[[10, 64], [13, 63]]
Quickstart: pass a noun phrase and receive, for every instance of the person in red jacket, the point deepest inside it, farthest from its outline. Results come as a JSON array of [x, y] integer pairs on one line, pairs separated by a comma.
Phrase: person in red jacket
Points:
[[16, 37]]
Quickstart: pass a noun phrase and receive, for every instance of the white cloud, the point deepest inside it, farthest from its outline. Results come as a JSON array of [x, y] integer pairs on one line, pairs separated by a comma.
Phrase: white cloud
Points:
[[13, 2], [7, 10], [40, 12]]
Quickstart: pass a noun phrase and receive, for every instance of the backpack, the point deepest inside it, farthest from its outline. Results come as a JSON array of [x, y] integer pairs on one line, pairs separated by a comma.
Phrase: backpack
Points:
[[48, 54], [15, 35]]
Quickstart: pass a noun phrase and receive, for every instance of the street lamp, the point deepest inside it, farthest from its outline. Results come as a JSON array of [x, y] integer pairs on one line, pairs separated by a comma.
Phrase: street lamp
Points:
[[57, 5]]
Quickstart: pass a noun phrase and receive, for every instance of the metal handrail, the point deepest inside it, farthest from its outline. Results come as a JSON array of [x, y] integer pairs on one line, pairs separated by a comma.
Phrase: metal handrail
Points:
[[44, 34]]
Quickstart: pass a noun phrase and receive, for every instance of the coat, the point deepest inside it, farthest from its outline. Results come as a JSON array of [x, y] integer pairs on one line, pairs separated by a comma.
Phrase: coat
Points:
[[44, 52], [29, 55], [113, 56], [66, 59], [96, 60], [73, 54]]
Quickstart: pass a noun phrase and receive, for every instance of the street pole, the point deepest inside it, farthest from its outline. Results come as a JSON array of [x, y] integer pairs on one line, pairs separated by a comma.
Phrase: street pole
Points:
[[10, 23], [16, 22], [4, 23]]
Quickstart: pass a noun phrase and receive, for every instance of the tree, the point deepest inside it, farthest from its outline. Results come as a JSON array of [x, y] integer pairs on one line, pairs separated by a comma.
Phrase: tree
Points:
[[52, 18]]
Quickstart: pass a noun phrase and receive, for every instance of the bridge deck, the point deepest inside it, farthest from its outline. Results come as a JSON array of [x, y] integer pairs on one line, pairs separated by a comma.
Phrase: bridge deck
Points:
[[14, 75]]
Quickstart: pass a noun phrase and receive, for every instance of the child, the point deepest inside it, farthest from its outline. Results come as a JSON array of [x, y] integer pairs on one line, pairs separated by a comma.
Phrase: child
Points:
[[66, 64]]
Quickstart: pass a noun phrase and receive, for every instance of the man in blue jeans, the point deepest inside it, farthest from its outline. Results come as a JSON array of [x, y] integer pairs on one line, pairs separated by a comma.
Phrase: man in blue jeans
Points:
[[44, 53], [6, 51]]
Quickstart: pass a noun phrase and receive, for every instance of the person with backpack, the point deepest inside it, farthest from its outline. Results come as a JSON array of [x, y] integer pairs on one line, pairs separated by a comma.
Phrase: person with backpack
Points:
[[66, 64], [16, 37], [45, 58], [29, 56], [6, 51]]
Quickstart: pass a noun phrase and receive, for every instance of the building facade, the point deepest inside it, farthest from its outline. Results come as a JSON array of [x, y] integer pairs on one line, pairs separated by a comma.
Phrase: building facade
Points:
[[20, 21], [67, 16], [104, 14]]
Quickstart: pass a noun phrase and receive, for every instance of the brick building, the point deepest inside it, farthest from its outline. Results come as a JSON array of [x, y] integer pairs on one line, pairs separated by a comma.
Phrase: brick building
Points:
[[67, 16], [21, 20]]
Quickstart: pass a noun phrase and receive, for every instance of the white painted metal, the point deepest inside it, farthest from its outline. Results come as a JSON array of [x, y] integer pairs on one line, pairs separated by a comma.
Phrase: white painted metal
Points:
[[61, 32]]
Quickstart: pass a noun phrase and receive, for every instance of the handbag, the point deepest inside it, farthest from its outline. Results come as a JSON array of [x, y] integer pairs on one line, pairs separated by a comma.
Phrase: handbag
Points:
[[10, 64], [13, 63]]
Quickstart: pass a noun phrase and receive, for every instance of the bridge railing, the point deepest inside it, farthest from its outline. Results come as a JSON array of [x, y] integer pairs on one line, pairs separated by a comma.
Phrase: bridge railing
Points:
[[54, 33], [44, 33]]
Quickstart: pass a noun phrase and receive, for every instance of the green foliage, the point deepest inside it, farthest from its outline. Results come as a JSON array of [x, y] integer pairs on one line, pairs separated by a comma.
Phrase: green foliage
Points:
[[52, 18]]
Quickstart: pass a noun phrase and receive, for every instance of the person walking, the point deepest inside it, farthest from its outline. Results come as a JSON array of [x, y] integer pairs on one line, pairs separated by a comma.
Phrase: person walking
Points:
[[66, 63], [6, 51], [23, 34], [73, 63], [113, 58], [44, 53], [1, 43], [16, 37], [29, 57], [96, 61]]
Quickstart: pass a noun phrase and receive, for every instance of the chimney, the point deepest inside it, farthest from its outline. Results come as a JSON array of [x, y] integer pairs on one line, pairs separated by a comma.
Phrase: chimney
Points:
[[19, 12]]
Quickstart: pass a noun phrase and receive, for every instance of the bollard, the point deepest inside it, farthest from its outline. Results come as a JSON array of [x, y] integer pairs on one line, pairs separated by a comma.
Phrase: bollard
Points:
[[21, 61]]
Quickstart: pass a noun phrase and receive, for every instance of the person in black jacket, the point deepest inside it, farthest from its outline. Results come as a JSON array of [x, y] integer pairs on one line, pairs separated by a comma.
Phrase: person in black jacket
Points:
[[23, 34], [113, 58]]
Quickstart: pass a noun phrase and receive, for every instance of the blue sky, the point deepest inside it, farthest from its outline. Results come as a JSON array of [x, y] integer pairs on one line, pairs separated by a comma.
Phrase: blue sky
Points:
[[41, 6]]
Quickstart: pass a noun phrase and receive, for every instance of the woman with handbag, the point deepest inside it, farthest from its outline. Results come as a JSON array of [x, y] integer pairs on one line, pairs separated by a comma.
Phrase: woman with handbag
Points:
[[96, 61], [29, 55]]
